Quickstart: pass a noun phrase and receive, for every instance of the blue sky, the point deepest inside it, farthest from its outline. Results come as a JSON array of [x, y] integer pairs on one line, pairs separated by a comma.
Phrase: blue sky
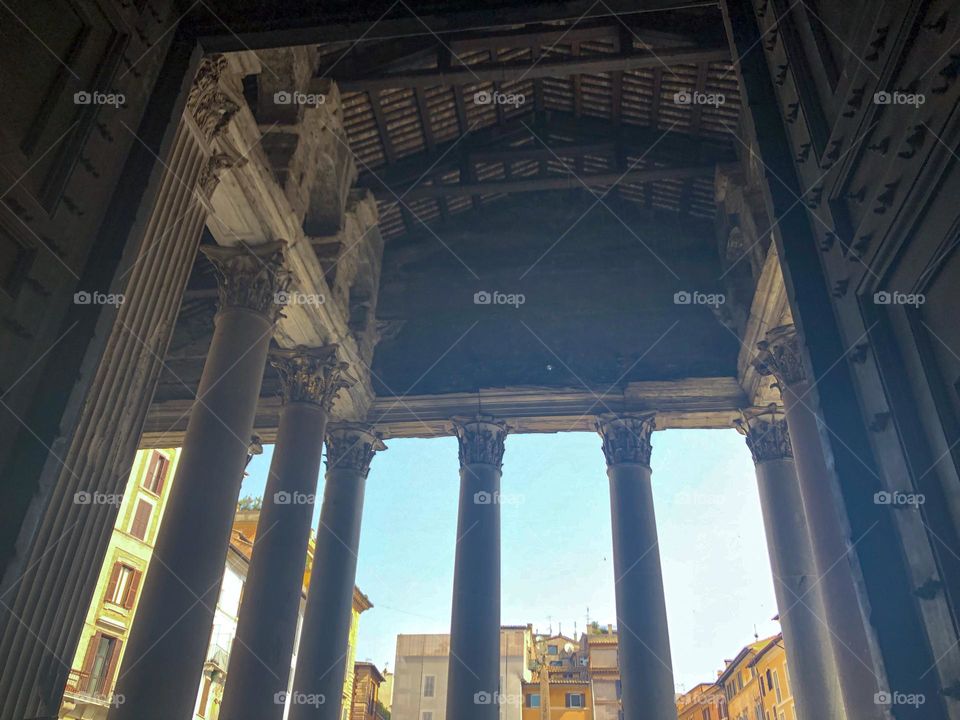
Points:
[[556, 546]]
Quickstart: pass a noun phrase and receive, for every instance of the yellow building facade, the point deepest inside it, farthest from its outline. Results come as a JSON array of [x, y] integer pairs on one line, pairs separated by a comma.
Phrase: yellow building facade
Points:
[[557, 699], [756, 683], [90, 684], [93, 674], [772, 672]]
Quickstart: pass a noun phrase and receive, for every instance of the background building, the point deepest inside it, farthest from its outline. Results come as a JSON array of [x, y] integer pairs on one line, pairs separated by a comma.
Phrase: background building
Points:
[[704, 702], [755, 683], [421, 671], [366, 692], [599, 648], [386, 690]]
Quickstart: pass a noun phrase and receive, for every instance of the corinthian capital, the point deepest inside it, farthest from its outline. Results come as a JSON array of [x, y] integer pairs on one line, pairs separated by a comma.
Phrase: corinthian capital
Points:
[[626, 438], [351, 446], [481, 440], [765, 430], [311, 375], [209, 105], [780, 356], [253, 278]]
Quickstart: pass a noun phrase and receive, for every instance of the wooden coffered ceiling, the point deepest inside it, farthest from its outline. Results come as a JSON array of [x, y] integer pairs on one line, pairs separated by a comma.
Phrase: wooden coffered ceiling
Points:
[[598, 112]]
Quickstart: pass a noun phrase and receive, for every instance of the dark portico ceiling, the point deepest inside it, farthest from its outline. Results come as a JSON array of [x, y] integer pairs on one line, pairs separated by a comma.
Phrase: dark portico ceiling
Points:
[[598, 300]]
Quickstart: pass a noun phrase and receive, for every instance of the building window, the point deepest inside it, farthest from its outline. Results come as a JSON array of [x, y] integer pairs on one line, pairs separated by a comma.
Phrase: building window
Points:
[[429, 685], [619, 687], [533, 700], [553, 650], [427, 715], [122, 586], [769, 681], [776, 686], [100, 664], [156, 473], [141, 520], [576, 700]]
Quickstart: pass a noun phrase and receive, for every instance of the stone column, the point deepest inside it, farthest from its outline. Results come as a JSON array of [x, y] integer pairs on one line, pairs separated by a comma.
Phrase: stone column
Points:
[[780, 355], [646, 671], [44, 607], [473, 680], [168, 643], [322, 654], [809, 655], [259, 669]]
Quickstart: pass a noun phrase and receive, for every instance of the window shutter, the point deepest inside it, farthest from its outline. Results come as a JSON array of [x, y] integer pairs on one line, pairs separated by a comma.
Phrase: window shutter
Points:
[[88, 662], [140, 519], [132, 589], [111, 668], [112, 583], [163, 467], [151, 470]]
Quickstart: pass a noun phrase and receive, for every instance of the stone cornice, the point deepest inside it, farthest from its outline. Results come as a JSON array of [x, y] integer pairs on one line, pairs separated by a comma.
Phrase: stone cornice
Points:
[[626, 438], [310, 375], [689, 403], [765, 430], [780, 356], [251, 278], [481, 440], [351, 446]]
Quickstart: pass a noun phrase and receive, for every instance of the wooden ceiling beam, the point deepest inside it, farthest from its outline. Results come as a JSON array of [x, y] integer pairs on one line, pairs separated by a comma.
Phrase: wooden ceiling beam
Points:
[[385, 140], [558, 182], [529, 70], [696, 123]]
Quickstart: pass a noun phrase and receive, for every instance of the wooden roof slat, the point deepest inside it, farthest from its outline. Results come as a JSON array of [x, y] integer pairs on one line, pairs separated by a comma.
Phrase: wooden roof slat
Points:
[[513, 70]]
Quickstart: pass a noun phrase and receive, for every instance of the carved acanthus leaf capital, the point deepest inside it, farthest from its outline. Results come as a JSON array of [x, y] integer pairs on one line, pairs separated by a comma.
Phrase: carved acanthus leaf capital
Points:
[[626, 438], [765, 430], [311, 375], [780, 356], [211, 170], [351, 446], [253, 277], [481, 440], [209, 105]]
